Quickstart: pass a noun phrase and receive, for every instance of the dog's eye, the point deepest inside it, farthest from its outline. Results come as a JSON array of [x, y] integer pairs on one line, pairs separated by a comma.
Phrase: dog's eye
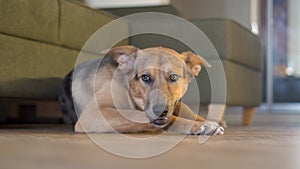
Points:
[[173, 78], [146, 78]]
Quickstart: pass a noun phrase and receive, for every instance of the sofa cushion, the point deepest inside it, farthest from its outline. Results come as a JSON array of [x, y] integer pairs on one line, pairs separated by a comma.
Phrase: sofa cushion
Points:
[[34, 19], [66, 23], [233, 41], [78, 23], [243, 88]]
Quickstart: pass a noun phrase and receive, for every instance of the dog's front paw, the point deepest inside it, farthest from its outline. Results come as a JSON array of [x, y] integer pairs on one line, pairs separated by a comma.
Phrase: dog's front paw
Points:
[[207, 128]]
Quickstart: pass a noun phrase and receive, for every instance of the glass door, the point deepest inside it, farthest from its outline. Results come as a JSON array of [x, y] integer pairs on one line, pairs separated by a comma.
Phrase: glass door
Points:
[[280, 29], [286, 51]]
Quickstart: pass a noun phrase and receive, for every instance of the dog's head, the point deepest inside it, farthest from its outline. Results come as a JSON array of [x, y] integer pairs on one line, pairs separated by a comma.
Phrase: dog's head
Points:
[[158, 77]]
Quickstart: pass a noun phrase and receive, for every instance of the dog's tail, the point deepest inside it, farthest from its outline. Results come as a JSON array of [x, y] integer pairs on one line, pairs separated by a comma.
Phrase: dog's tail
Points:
[[66, 101]]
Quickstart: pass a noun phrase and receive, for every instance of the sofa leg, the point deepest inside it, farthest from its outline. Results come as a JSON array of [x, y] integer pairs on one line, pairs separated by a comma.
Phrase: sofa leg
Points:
[[248, 114]]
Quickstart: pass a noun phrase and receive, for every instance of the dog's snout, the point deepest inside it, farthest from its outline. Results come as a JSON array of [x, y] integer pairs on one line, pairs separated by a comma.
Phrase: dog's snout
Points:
[[160, 110]]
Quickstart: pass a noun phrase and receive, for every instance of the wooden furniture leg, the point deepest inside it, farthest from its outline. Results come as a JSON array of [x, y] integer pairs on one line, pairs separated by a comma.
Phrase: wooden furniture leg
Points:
[[248, 114]]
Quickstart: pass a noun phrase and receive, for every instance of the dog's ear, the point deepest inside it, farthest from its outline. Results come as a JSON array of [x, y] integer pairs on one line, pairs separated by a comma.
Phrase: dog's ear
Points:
[[194, 62], [124, 55]]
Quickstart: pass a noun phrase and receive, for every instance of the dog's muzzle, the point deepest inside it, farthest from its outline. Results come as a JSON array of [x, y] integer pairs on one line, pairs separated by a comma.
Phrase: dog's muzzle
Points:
[[161, 113], [158, 111]]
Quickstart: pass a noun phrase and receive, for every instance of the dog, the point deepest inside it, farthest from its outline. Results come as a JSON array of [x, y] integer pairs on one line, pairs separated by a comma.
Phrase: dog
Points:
[[134, 90]]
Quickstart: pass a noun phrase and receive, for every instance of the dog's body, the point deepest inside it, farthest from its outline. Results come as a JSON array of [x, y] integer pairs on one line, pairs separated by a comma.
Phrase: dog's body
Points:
[[134, 90]]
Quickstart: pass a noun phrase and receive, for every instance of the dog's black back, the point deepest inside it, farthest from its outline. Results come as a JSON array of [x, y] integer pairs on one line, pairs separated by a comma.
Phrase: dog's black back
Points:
[[66, 101], [65, 97]]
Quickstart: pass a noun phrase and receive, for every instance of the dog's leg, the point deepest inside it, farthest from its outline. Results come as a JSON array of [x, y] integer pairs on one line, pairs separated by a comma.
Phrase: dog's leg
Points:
[[182, 110], [217, 113], [94, 119], [128, 120], [187, 126]]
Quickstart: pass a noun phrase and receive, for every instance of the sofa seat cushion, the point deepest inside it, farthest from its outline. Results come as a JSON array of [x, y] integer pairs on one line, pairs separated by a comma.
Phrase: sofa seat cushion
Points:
[[31, 69]]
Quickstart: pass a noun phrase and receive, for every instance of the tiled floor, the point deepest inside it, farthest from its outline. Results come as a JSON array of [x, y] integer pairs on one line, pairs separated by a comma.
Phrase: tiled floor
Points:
[[273, 142]]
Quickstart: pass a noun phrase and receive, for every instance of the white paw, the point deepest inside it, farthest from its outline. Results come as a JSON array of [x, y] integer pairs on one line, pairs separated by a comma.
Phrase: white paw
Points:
[[210, 128]]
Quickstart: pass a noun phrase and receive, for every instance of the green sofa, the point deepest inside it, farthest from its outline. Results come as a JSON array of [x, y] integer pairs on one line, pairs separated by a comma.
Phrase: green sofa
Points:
[[41, 39], [39, 43]]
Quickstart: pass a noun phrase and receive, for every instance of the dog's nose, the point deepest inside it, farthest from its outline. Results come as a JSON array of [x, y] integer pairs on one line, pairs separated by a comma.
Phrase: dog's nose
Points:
[[160, 110]]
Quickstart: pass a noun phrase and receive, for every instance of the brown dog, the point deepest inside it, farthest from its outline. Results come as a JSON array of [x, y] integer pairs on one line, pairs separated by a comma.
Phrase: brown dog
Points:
[[134, 90]]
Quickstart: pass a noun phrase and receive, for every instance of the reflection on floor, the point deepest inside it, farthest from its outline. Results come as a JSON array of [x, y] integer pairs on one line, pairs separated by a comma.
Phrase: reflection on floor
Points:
[[272, 142]]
